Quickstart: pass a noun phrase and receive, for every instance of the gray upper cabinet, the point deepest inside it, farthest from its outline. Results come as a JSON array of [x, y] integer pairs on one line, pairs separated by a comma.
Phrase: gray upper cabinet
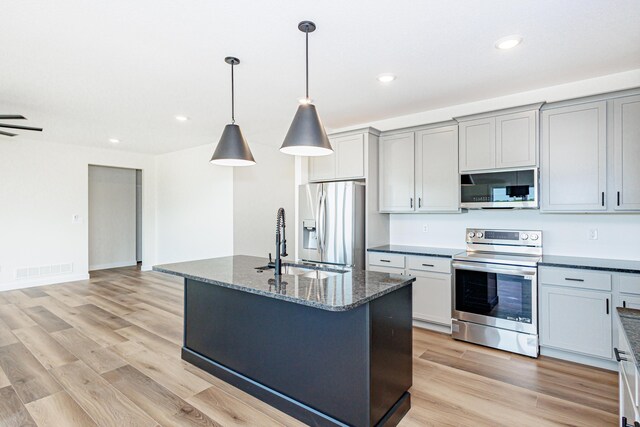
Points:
[[347, 161], [436, 165], [322, 168], [626, 152], [397, 173], [478, 144], [349, 156], [573, 158], [516, 136], [505, 139]]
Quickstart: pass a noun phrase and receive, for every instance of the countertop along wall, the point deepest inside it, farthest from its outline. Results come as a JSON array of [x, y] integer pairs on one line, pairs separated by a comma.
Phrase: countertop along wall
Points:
[[564, 234]]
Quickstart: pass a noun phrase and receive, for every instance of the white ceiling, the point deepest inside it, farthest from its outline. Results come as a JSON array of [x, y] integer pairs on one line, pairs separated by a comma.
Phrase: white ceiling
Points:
[[89, 70]]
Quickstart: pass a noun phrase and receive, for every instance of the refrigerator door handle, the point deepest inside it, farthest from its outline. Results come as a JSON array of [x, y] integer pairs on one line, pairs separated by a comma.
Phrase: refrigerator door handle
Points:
[[319, 223], [321, 226], [323, 211]]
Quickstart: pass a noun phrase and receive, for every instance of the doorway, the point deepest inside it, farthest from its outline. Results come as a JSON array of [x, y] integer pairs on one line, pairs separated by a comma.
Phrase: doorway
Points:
[[115, 217]]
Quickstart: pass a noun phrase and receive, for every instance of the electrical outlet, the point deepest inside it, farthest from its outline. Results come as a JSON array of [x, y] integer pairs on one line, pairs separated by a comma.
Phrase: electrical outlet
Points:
[[76, 219], [593, 234], [425, 228]]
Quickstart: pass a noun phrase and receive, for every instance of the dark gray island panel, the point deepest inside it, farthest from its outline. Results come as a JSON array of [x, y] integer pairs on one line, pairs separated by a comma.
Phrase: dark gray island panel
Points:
[[331, 366]]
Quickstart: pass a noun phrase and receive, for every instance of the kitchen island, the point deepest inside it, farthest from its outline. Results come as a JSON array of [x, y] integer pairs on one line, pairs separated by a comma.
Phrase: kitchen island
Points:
[[329, 348]]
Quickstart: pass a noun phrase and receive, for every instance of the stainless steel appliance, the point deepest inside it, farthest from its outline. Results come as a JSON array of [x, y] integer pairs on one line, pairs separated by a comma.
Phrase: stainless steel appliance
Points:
[[495, 290], [503, 189], [331, 223]]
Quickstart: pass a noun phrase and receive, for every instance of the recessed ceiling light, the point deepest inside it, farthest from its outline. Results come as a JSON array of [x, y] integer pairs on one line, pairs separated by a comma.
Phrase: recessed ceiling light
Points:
[[114, 140], [386, 78], [508, 42], [181, 118]]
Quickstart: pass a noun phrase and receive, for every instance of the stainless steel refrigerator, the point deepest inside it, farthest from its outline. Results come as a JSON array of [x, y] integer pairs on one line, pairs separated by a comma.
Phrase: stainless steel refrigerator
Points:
[[331, 223]]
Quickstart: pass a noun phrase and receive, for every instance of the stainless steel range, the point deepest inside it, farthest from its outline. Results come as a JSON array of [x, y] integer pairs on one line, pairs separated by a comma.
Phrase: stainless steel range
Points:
[[495, 290]]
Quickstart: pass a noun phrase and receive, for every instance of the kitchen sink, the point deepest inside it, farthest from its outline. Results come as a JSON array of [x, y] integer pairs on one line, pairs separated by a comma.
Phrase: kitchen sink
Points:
[[311, 272]]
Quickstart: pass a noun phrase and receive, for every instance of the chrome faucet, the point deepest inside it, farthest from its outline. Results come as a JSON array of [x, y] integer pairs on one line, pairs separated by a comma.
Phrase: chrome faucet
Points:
[[281, 240]]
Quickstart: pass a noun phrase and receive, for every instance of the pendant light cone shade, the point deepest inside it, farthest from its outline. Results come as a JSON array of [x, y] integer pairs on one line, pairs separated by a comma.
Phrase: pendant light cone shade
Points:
[[232, 149], [306, 136]]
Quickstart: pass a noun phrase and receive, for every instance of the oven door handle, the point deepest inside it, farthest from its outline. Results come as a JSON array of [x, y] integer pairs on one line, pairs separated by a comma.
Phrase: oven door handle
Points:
[[529, 273]]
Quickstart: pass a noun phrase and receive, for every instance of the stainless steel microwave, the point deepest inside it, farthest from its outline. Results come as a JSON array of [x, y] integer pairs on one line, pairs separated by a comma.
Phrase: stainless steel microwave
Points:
[[514, 189]]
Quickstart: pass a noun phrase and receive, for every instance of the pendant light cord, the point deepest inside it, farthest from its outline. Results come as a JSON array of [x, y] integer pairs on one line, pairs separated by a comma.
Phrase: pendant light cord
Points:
[[306, 32], [233, 116]]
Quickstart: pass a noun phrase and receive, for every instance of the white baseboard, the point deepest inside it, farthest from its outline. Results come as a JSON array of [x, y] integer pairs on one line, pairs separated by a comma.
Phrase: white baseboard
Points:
[[579, 358], [146, 267], [432, 326], [21, 284], [112, 265]]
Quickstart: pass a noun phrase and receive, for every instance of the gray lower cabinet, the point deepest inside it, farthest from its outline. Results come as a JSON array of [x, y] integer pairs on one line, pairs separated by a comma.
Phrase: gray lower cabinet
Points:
[[432, 297], [576, 320], [575, 310], [626, 152], [432, 288], [627, 380], [573, 159]]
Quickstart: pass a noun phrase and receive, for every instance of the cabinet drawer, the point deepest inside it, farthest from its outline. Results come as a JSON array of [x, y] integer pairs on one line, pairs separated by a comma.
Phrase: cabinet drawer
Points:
[[575, 278], [385, 269], [436, 265], [629, 284], [387, 260]]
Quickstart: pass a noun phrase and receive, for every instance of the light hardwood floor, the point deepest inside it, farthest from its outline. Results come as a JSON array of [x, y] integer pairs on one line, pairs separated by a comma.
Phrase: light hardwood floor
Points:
[[106, 352]]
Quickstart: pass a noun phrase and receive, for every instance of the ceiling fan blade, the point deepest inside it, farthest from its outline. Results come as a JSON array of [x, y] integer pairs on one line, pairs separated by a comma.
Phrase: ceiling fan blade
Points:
[[20, 127], [7, 133], [12, 117]]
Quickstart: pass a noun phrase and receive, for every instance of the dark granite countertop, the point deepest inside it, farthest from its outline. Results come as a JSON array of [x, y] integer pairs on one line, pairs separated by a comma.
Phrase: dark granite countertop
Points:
[[417, 250], [603, 264], [335, 293], [630, 320]]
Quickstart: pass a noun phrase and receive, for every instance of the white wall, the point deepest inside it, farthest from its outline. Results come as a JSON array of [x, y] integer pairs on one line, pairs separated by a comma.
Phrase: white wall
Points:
[[258, 192], [195, 206], [112, 217], [565, 234], [42, 185]]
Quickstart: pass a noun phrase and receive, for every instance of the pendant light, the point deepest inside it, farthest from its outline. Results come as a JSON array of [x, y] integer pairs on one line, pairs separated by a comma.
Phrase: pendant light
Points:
[[232, 150], [306, 136]]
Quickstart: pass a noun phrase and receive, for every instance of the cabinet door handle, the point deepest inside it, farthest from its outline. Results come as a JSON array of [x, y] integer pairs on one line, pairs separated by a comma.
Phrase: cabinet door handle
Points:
[[618, 198], [607, 305], [427, 265], [385, 260], [617, 354], [624, 304], [411, 202], [419, 202], [573, 280], [603, 198]]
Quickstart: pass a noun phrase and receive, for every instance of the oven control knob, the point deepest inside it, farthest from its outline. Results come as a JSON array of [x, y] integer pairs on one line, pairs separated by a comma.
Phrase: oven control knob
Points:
[[534, 237], [524, 236], [471, 234], [479, 235]]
